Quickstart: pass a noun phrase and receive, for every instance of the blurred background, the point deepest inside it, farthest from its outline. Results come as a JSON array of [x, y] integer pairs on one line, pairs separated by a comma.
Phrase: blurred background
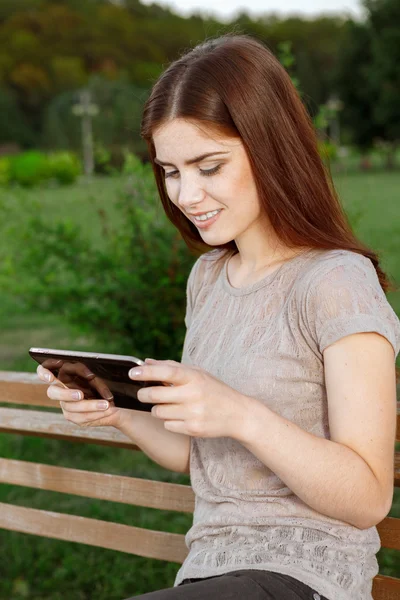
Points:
[[88, 259]]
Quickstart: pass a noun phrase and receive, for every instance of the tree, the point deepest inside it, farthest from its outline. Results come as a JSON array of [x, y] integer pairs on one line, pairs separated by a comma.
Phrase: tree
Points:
[[117, 124], [384, 72], [52, 47], [354, 86], [13, 124]]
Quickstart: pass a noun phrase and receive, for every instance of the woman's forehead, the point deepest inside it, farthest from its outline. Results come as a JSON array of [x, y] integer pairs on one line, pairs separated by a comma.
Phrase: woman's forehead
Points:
[[190, 128]]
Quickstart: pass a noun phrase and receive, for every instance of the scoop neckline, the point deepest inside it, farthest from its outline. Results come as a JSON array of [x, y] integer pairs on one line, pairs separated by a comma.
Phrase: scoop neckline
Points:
[[266, 280]]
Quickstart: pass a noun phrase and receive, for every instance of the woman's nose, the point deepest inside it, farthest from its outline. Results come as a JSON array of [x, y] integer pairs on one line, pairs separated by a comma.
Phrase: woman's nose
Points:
[[189, 194]]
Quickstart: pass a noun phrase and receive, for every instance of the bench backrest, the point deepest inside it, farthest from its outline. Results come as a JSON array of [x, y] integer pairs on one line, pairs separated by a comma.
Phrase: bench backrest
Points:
[[26, 389]]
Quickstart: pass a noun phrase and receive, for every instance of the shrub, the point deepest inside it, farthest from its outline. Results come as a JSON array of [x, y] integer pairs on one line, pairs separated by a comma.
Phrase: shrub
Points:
[[5, 170], [328, 151], [129, 291], [102, 159], [65, 167], [134, 166], [29, 168]]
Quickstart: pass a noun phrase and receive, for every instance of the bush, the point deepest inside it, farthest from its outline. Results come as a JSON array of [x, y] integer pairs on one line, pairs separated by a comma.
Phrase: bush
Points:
[[327, 151], [5, 170], [29, 168], [129, 291], [134, 166], [102, 159], [32, 168], [64, 167]]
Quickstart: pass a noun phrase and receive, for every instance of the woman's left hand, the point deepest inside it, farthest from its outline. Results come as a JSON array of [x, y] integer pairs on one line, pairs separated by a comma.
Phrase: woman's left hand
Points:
[[196, 403]]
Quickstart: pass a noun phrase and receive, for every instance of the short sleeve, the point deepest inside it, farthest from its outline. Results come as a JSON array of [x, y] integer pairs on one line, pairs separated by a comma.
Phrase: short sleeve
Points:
[[345, 297]]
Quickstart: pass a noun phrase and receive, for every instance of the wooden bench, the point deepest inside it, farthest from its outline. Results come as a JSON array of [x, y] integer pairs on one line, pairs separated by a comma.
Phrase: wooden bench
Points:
[[26, 389]]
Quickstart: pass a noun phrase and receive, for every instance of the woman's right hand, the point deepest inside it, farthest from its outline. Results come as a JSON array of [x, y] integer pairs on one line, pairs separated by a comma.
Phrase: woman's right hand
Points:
[[84, 398]]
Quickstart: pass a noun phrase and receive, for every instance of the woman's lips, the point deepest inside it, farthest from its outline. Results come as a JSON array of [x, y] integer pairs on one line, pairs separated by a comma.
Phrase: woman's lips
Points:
[[206, 224]]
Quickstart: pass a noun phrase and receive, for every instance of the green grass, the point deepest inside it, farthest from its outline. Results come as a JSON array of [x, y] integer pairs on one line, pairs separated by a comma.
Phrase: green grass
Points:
[[38, 568], [91, 205]]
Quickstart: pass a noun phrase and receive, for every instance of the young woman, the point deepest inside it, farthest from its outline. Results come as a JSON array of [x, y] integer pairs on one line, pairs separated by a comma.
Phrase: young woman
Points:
[[283, 408]]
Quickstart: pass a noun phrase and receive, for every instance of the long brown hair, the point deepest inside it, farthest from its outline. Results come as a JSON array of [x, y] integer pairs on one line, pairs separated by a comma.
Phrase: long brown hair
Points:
[[235, 86]]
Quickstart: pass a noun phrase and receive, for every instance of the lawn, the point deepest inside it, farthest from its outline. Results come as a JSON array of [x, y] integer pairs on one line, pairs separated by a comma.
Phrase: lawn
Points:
[[43, 569]]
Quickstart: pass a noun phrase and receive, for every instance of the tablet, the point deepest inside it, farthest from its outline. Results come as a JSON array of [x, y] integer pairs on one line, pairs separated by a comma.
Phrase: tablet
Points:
[[109, 375]]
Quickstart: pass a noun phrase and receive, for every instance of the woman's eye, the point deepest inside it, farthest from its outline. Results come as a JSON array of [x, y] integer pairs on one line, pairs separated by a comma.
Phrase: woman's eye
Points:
[[211, 171], [206, 173]]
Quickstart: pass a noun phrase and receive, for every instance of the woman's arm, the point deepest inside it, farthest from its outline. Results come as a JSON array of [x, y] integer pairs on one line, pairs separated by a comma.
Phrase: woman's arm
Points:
[[350, 476], [169, 449]]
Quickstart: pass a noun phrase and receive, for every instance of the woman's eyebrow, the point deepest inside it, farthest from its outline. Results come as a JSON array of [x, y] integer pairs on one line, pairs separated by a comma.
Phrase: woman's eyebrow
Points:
[[190, 161]]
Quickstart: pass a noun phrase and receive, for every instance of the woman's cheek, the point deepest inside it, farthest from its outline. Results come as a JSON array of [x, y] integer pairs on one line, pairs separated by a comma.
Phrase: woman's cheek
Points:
[[172, 191]]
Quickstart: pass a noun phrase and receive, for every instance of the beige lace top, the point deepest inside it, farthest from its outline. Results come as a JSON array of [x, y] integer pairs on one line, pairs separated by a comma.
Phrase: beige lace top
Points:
[[266, 340]]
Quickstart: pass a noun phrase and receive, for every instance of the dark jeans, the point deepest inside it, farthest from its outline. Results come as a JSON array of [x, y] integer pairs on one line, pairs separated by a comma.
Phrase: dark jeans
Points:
[[245, 584]]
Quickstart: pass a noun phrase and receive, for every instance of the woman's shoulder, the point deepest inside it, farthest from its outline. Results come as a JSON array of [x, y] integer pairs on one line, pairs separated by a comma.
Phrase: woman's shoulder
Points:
[[340, 295], [327, 264]]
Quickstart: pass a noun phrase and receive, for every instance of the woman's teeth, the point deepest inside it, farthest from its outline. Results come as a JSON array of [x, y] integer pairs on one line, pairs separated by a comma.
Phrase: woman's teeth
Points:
[[207, 216]]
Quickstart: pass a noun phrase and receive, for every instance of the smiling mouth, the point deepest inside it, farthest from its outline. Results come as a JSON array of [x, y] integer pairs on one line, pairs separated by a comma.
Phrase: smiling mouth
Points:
[[203, 218], [208, 222]]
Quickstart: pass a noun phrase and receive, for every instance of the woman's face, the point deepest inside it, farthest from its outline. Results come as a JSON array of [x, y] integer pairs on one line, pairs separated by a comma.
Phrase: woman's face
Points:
[[222, 181]]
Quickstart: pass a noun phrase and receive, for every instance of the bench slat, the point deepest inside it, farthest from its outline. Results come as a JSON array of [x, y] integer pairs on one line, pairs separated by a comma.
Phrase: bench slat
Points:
[[130, 490], [115, 488], [389, 532], [126, 538], [386, 588], [54, 425], [27, 388], [24, 388], [103, 534]]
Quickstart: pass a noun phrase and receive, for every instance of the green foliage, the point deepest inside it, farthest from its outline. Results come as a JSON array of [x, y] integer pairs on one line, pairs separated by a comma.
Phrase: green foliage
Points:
[[287, 59], [32, 168], [5, 170], [321, 119], [68, 72], [29, 168], [14, 125], [64, 167], [102, 159], [128, 291], [117, 124], [328, 151], [384, 72], [133, 166], [51, 49], [368, 75], [354, 88]]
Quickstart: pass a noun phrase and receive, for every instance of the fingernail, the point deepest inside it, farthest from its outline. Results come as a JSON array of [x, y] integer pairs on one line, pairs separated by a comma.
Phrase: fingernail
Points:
[[149, 360], [47, 377], [135, 372], [102, 405], [77, 395]]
